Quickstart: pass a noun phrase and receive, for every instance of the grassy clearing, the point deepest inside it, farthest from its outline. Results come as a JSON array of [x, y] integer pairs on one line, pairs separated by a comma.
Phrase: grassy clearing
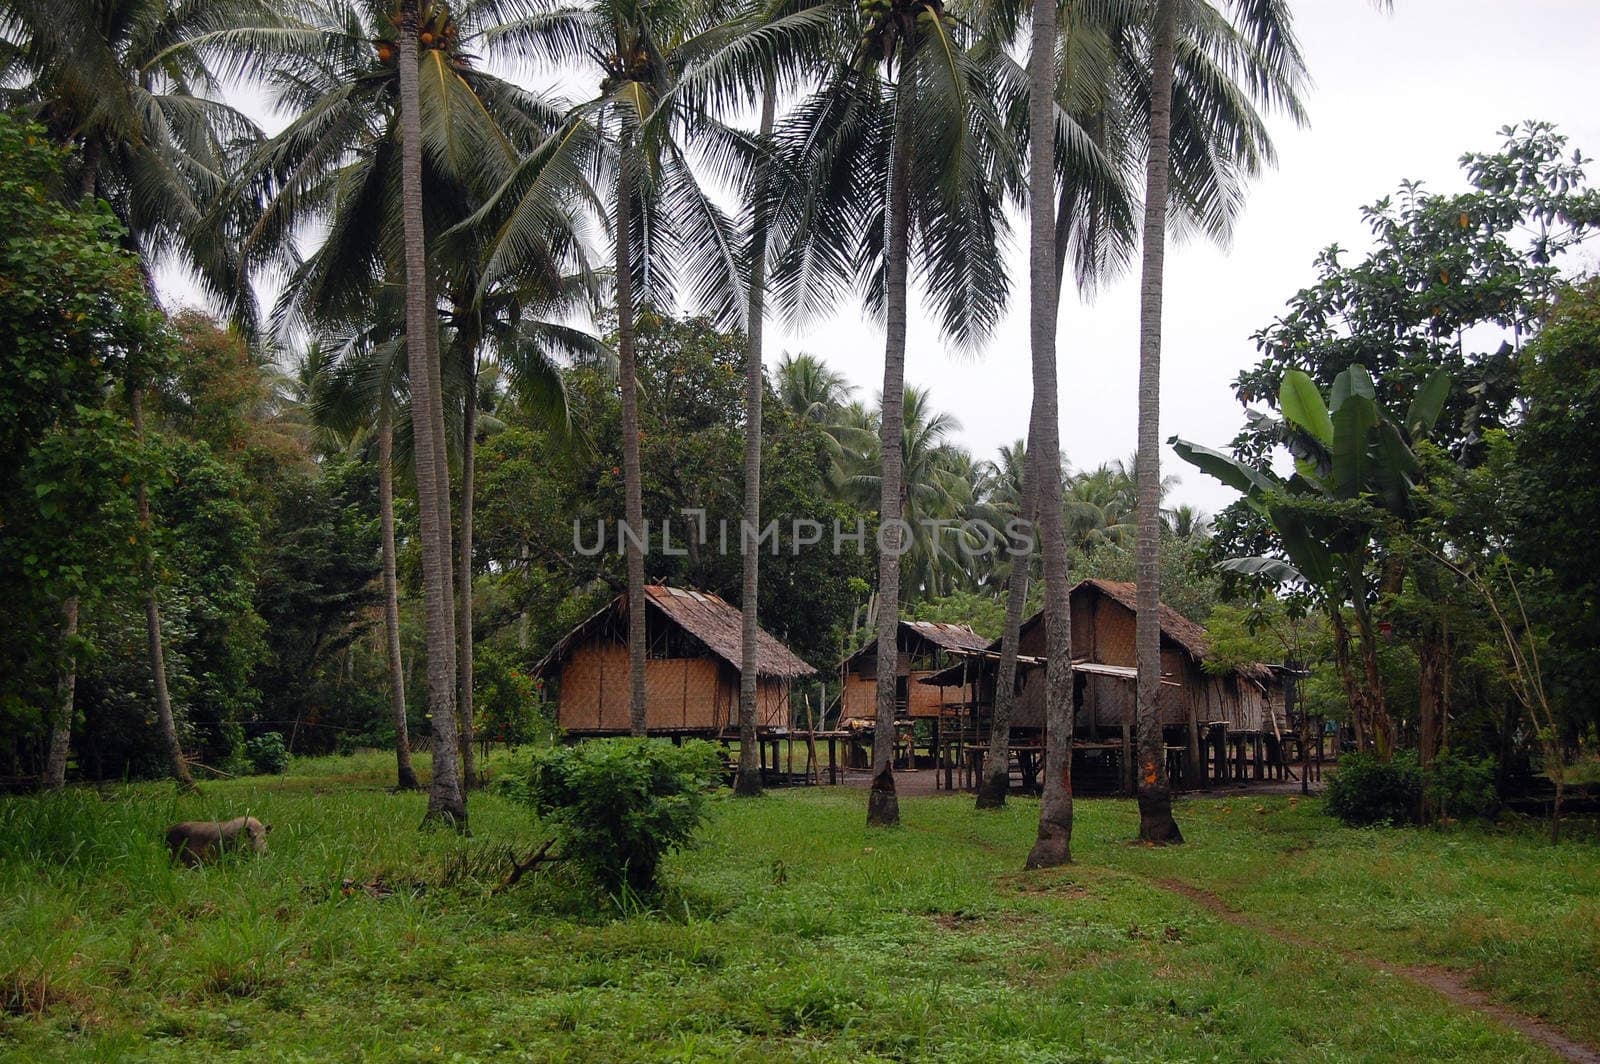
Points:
[[792, 934]]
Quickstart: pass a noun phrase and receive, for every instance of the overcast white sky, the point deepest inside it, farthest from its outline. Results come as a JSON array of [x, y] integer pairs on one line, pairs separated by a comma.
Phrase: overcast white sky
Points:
[[1398, 95], [1395, 96]]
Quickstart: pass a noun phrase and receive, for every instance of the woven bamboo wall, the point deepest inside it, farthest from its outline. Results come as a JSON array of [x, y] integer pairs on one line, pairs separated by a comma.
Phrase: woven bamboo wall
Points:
[[594, 688], [1113, 633], [772, 703], [923, 700], [1174, 701], [860, 696], [1029, 710], [681, 694]]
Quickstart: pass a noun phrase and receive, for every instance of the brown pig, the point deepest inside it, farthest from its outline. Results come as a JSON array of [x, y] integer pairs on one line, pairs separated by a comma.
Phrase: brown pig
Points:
[[196, 841]]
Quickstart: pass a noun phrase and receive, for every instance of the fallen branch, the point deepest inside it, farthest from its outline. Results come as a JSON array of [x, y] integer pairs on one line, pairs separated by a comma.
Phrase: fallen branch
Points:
[[521, 868], [192, 763]]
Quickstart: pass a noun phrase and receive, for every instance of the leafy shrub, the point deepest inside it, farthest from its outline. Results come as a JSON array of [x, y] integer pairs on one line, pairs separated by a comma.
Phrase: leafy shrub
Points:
[[509, 703], [1462, 786], [619, 805], [267, 754], [1366, 790]]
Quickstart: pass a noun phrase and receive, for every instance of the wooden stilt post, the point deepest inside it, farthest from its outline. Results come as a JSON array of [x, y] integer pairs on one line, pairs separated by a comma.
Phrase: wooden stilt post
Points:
[[1194, 766]]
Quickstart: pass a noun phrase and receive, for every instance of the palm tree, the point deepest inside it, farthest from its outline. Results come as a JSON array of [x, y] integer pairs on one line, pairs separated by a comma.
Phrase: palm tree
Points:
[[1100, 507], [1263, 54], [1053, 845], [669, 236], [447, 799], [516, 319], [882, 174], [356, 384], [1186, 522], [336, 68], [1102, 132], [117, 81], [112, 79], [748, 781], [934, 488], [809, 389]]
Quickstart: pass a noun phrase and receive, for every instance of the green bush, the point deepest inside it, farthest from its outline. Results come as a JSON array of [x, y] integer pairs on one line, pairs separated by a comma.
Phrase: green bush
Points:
[[509, 703], [619, 805], [267, 754], [1366, 790], [1461, 786]]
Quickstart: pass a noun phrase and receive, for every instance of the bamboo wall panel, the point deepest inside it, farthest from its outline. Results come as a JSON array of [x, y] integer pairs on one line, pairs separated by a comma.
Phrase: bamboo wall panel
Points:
[[860, 697], [772, 702], [923, 700], [594, 688]]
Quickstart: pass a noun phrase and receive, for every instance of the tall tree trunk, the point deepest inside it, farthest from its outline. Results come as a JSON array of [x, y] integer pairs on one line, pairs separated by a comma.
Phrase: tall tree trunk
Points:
[[748, 781], [997, 763], [997, 781], [883, 806], [152, 615], [1347, 680], [446, 798], [631, 475], [405, 775], [1053, 846], [1155, 789], [55, 765], [524, 616], [1377, 710], [469, 449], [1433, 652]]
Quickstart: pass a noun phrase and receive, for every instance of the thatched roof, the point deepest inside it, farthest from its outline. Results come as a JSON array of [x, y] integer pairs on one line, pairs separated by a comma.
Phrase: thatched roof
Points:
[[1187, 635], [1174, 625], [705, 616], [957, 638]]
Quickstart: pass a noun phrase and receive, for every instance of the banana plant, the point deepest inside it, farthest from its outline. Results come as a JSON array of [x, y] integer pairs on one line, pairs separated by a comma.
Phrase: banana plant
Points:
[[1354, 468]]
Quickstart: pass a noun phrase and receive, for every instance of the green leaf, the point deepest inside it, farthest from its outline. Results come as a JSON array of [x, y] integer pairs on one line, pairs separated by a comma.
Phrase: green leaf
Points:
[[1427, 404], [1302, 405], [1232, 472], [1272, 568], [1309, 554], [1353, 381], [1353, 422]]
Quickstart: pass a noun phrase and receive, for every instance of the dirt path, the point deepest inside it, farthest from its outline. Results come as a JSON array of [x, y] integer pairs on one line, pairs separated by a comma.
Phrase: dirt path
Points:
[[1442, 981], [1448, 984]]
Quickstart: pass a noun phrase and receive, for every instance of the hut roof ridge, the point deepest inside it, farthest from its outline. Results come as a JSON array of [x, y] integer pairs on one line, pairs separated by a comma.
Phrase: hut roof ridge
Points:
[[716, 623]]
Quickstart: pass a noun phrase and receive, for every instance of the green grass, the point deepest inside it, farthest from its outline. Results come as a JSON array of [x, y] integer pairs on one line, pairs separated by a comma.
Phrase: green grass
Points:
[[793, 933]]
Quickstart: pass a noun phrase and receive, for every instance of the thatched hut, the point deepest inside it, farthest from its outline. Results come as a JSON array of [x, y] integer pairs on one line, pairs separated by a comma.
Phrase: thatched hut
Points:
[[1205, 716], [692, 670], [924, 647]]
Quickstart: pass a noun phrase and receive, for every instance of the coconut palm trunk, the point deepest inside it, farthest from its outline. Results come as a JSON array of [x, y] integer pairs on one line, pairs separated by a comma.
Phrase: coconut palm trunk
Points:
[[748, 781], [997, 780], [469, 447], [997, 766], [446, 797], [55, 765], [634, 537], [1156, 824], [1053, 846], [883, 807], [405, 775], [152, 616]]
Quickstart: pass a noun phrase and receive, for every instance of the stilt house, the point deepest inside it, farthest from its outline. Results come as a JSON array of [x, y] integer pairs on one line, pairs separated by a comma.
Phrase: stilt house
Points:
[[924, 648], [1205, 717], [692, 669]]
